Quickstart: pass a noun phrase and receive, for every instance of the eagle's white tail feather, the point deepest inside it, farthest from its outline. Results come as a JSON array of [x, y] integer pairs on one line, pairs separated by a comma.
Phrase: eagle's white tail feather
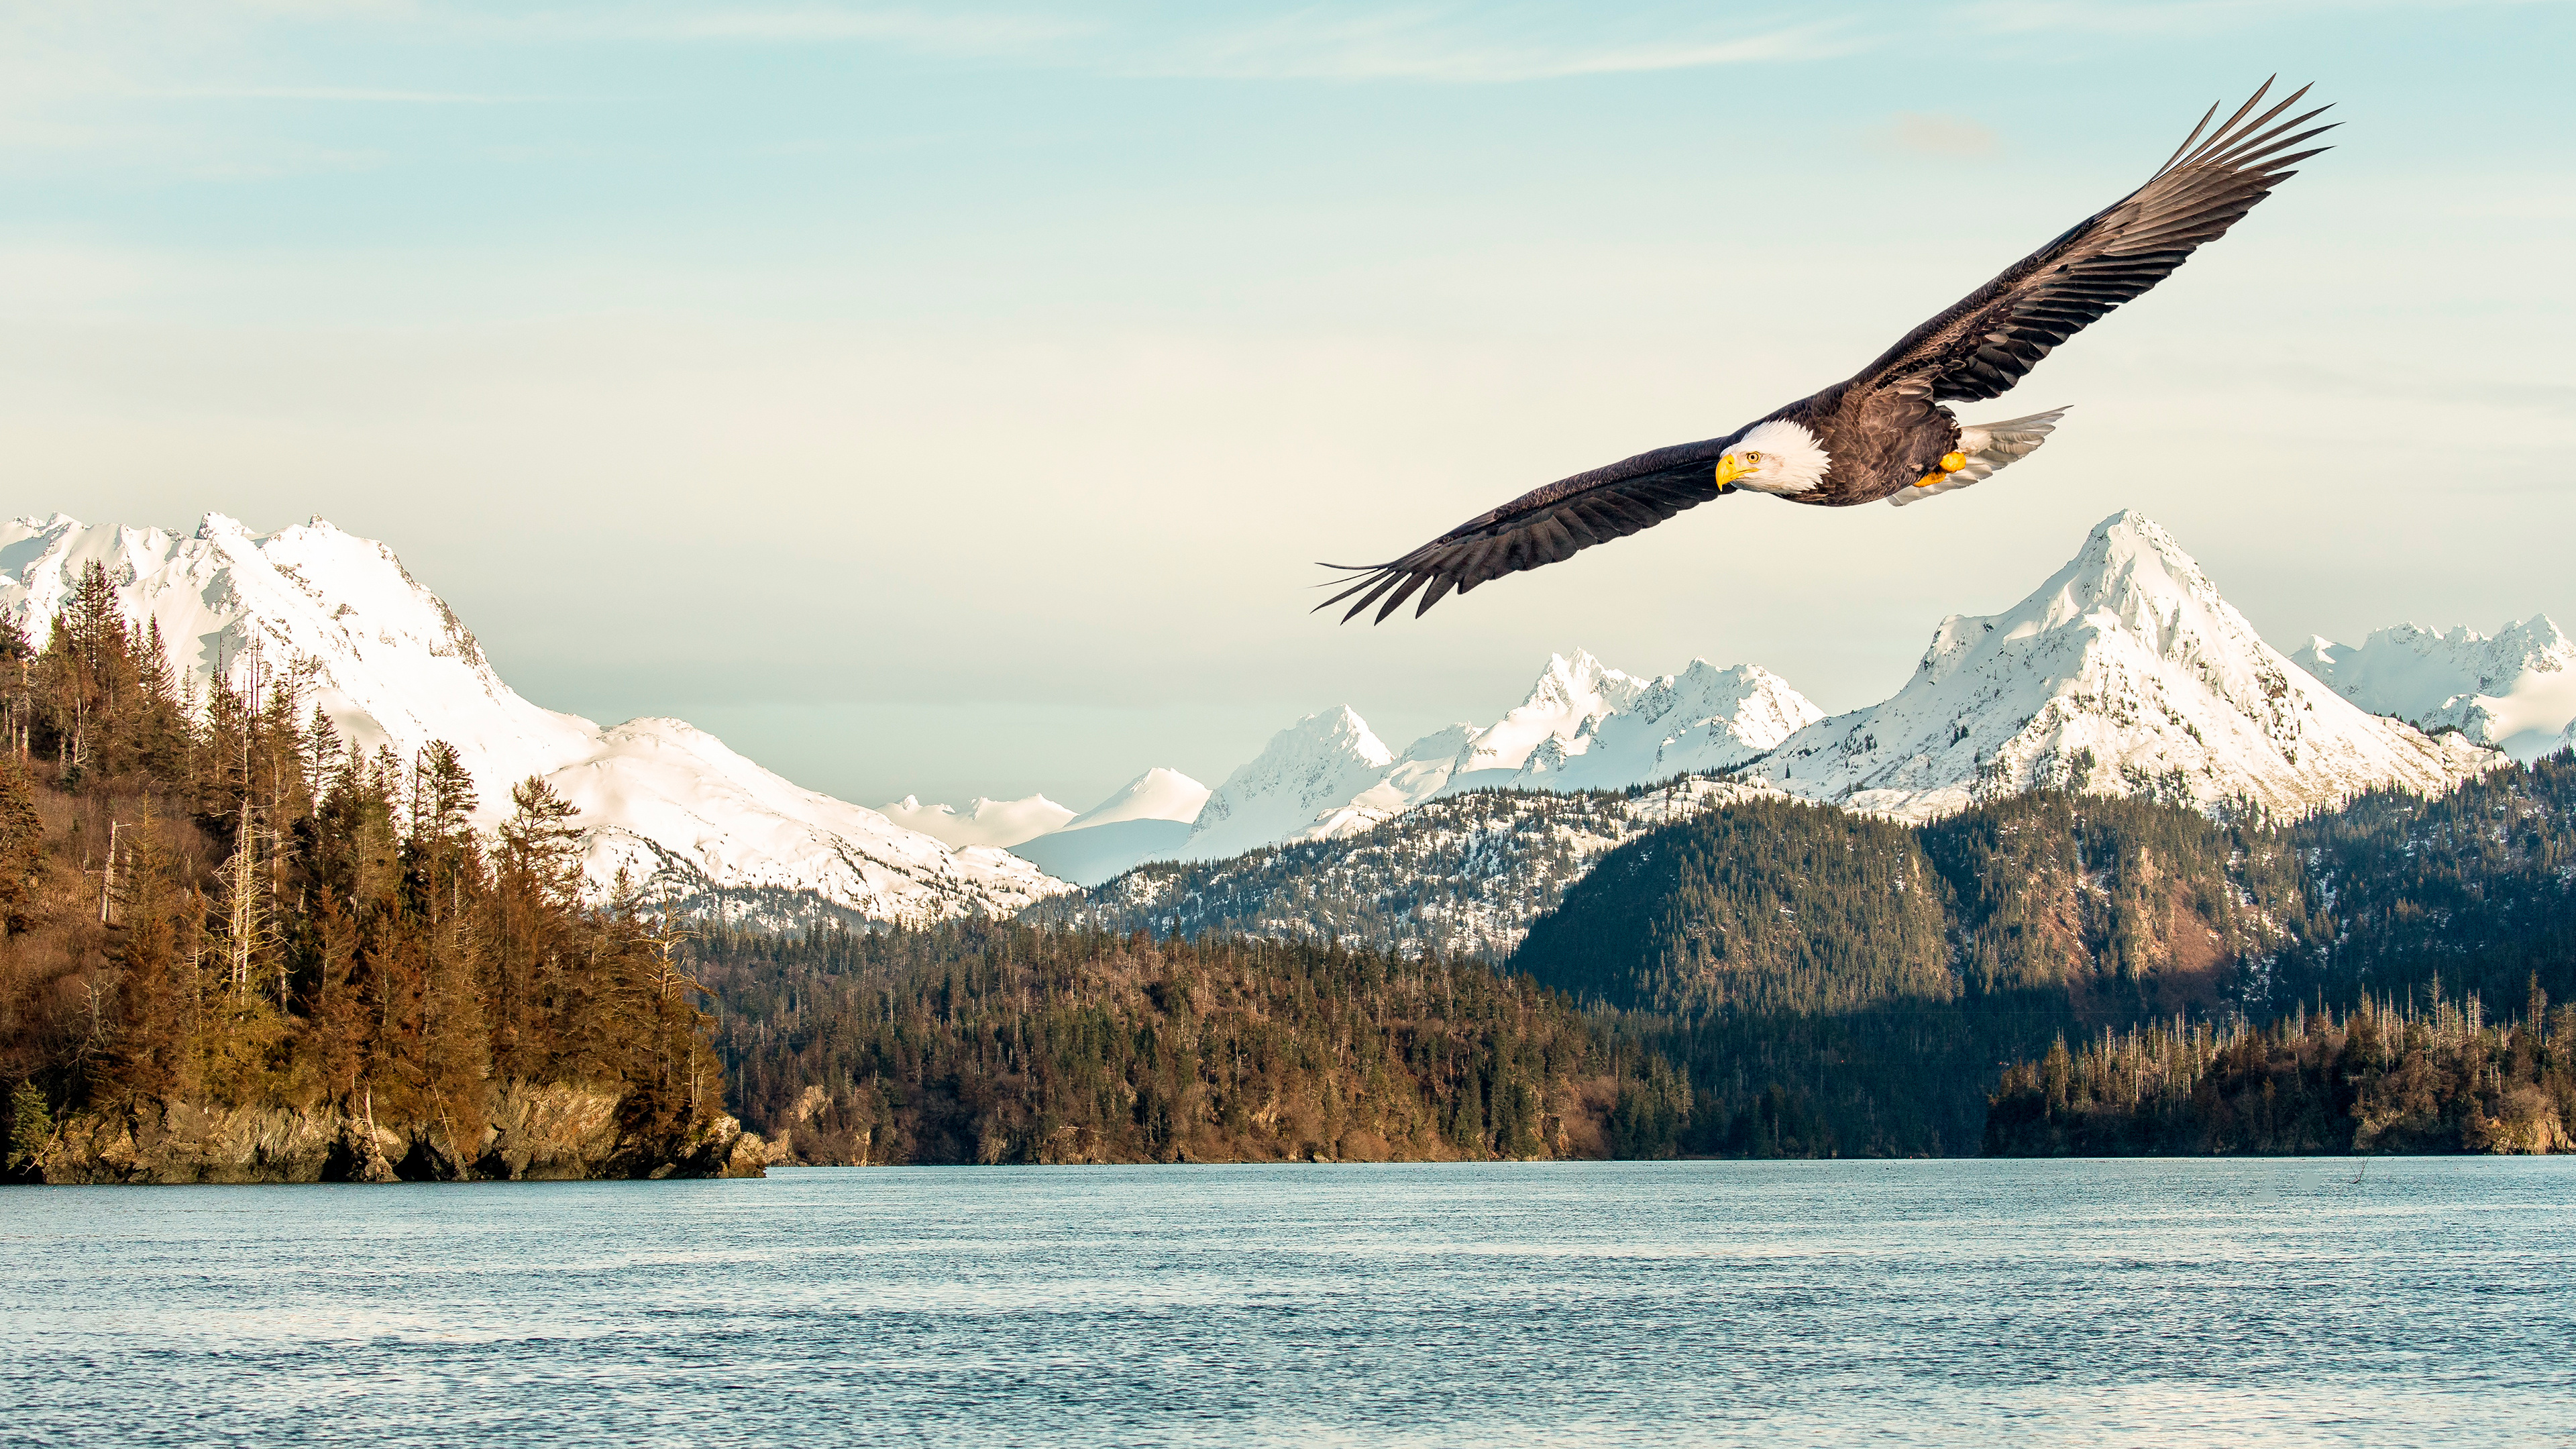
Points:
[[1989, 446]]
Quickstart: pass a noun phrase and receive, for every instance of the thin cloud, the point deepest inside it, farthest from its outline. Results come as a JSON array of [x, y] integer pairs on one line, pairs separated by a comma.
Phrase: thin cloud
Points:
[[1432, 46]]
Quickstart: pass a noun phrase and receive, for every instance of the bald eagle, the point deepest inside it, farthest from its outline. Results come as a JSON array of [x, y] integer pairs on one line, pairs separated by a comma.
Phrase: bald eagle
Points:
[[1884, 433]]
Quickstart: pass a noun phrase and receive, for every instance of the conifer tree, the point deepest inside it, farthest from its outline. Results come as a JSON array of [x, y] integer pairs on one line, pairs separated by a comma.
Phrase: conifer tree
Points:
[[166, 1018], [22, 844]]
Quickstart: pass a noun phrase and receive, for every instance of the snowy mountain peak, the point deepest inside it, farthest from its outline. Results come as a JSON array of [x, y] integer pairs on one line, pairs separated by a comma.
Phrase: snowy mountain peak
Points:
[[1157, 794], [1703, 720], [2514, 689], [1570, 693], [2125, 671], [1313, 780], [1583, 725], [1334, 732]]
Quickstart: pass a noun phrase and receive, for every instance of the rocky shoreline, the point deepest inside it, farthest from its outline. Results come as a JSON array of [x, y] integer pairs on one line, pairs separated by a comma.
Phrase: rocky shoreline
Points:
[[534, 1133]]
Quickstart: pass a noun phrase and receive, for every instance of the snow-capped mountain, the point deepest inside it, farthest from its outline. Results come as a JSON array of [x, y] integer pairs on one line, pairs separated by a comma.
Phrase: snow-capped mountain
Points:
[[2125, 672], [1148, 818], [694, 822], [1572, 695], [713, 832], [398, 667], [2514, 689], [1583, 726], [1700, 721], [1003, 823], [1160, 795], [1325, 775]]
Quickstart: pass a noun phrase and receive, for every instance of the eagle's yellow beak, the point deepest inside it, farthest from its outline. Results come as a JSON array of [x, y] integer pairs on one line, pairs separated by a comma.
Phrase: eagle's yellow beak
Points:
[[1730, 468]]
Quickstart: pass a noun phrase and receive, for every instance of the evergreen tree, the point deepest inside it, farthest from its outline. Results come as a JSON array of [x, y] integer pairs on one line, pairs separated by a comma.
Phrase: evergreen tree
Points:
[[22, 845]]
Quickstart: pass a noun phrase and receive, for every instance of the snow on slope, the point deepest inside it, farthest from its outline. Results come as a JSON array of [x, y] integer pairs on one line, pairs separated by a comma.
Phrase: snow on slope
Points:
[[1097, 853], [983, 822], [2125, 672], [2515, 690], [396, 668], [1159, 795], [672, 805]]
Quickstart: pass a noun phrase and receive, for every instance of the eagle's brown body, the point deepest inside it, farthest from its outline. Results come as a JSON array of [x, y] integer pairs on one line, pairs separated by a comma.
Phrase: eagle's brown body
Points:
[[1881, 440], [1886, 429]]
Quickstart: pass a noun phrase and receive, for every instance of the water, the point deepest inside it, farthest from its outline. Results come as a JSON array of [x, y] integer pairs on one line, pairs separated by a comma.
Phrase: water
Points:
[[2162, 1303]]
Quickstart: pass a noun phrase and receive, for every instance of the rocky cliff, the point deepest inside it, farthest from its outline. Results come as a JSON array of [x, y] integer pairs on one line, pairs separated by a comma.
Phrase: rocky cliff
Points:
[[534, 1133]]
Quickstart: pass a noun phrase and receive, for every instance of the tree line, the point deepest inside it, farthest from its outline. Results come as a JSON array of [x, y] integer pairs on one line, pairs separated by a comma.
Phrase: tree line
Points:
[[983, 1041], [2382, 1077], [206, 895]]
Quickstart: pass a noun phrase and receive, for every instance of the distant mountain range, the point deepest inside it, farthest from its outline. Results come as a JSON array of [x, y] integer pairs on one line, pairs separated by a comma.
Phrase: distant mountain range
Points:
[[2125, 672], [2514, 690]]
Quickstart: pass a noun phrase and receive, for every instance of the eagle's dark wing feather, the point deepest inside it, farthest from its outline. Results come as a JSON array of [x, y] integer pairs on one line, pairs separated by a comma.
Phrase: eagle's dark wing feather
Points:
[[1540, 527], [1988, 341]]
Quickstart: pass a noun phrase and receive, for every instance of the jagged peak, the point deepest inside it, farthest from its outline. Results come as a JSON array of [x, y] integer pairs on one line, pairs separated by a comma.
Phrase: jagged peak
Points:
[[2129, 555]]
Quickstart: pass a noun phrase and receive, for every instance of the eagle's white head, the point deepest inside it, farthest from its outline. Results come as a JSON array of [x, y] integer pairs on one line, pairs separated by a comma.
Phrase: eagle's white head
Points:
[[1775, 457]]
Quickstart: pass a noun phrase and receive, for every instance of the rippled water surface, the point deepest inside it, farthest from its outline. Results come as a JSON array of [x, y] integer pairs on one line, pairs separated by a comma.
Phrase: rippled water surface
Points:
[[2432, 1302]]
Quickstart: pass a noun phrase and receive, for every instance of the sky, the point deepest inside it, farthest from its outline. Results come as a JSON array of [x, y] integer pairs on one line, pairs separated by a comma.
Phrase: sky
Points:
[[952, 401]]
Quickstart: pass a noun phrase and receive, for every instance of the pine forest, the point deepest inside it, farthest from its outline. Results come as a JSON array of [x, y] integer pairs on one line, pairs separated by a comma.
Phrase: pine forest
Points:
[[232, 944]]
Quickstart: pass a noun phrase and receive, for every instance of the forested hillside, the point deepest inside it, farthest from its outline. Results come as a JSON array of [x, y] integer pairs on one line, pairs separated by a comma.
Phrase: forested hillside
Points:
[[1834, 984], [234, 948], [2370, 1030], [2475, 890], [983, 1042]]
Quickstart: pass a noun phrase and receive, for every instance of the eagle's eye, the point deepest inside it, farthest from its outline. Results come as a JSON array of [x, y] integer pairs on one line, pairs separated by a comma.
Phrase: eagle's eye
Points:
[[1755, 459]]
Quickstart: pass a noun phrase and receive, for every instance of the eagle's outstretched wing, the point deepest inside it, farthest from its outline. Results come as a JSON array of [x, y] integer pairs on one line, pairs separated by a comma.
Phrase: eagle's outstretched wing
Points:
[[1995, 335], [1541, 527]]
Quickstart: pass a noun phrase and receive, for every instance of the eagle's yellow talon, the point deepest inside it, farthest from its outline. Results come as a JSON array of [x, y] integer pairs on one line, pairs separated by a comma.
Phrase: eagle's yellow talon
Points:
[[1953, 462], [1928, 479]]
